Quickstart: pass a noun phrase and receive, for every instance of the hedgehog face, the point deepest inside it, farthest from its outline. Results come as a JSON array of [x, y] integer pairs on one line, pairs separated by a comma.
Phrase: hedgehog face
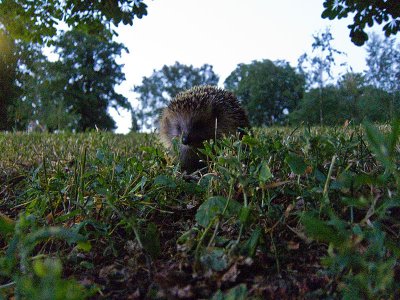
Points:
[[190, 128]]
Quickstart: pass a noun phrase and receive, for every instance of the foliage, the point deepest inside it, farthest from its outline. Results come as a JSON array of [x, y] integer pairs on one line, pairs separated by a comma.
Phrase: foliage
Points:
[[72, 93], [37, 21], [267, 90], [31, 74], [8, 77], [352, 88], [157, 90], [365, 13], [318, 68], [359, 247], [135, 124], [383, 62], [84, 78], [40, 279], [351, 99], [335, 108], [376, 105], [281, 213], [374, 95], [39, 98]]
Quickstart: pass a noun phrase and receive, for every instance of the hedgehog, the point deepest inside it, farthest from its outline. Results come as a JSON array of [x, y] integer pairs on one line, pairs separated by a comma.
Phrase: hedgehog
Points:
[[196, 115]]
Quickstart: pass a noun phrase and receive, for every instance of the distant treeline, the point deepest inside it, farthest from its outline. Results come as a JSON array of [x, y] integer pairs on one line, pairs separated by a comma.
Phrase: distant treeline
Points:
[[273, 92], [75, 92]]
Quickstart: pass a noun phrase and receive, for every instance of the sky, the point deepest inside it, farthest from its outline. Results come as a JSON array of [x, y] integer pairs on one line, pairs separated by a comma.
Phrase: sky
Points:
[[223, 33]]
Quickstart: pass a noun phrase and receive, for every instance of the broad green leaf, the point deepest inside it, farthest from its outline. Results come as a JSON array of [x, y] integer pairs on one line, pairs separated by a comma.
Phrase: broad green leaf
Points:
[[42, 234], [320, 230], [215, 206], [360, 202], [394, 135], [378, 145], [264, 173], [249, 140], [250, 247], [244, 215], [236, 293], [215, 260], [163, 180], [100, 155], [46, 267], [85, 246], [232, 162], [296, 164]]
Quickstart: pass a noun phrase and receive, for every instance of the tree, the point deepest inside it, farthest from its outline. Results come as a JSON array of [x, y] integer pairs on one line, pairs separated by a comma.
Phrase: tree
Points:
[[37, 20], [156, 91], [22, 76], [134, 119], [72, 93], [350, 99], [351, 87], [8, 77], [32, 96], [84, 78], [383, 62], [22, 109], [318, 68], [375, 105], [268, 90], [366, 12], [308, 111]]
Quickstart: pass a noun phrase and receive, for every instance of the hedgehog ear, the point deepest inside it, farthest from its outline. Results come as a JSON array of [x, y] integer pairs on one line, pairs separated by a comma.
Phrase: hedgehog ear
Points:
[[165, 121]]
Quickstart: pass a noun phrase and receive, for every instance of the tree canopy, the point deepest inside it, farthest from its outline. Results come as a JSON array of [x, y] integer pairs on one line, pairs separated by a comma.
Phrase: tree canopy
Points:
[[73, 92], [37, 20], [317, 67], [32, 70], [373, 95], [366, 12], [157, 90], [8, 76], [268, 90], [383, 62], [86, 76], [350, 99]]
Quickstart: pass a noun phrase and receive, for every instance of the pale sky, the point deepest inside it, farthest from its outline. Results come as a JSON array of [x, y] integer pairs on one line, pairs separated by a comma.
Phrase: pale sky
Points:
[[224, 33]]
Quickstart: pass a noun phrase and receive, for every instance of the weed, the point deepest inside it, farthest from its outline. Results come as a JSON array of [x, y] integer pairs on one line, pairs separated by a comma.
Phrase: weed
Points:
[[309, 212]]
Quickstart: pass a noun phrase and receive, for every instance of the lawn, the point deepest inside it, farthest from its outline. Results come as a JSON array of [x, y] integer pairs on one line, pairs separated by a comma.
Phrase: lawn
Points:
[[283, 213]]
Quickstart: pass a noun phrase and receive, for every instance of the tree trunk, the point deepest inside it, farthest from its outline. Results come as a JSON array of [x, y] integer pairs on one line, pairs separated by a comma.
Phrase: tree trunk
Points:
[[392, 106], [3, 114], [321, 117]]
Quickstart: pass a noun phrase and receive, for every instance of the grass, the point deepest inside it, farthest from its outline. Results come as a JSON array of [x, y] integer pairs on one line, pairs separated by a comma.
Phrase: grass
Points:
[[284, 213]]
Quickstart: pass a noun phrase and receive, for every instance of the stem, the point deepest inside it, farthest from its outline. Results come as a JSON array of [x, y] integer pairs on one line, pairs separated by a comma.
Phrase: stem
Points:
[[81, 181], [223, 214], [47, 189], [245, 204], [203, 236], [7, 285], [214, 234], [328, 179], [275, 254]]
